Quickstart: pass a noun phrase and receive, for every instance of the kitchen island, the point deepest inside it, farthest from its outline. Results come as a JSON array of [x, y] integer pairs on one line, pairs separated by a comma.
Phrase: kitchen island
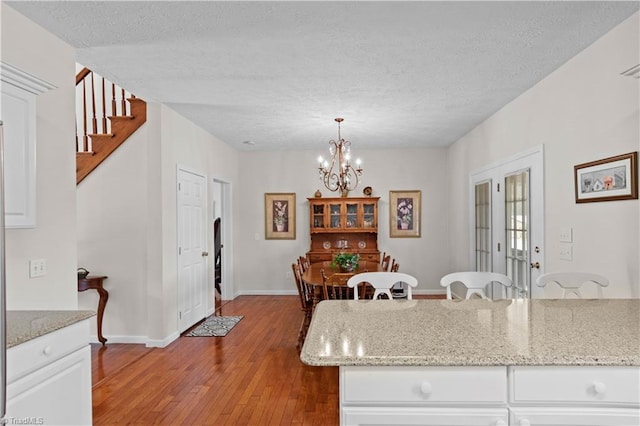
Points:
[[477, 362]]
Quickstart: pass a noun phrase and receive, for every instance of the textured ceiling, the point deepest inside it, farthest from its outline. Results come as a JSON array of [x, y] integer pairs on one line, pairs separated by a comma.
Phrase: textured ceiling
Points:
[[402, 74]]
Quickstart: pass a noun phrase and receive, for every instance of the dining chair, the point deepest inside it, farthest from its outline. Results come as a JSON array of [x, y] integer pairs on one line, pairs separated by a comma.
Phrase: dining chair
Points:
[[306, 305], [475, 282], [335, 286], [573, 282], [394, 265], [303, 261], [385, 262], [382, 282], [384, 254]]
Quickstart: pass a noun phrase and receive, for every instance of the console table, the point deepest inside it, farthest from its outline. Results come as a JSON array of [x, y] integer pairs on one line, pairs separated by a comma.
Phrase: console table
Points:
[[95, 283]]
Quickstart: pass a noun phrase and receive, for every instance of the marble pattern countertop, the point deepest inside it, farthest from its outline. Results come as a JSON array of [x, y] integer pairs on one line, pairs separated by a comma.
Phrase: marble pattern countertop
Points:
[[23, 326], [474, 332]]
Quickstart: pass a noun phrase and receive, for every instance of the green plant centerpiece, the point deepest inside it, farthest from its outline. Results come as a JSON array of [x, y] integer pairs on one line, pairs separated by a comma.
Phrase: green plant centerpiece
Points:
[[346, 262]]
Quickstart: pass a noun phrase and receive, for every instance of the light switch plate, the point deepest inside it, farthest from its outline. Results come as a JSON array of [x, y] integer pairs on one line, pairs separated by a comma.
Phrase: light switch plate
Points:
[[566, 234], [566, 252], [37, 268]]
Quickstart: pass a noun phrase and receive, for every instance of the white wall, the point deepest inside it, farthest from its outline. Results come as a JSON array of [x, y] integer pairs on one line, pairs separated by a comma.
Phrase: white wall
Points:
[[33, 50], [262, 265], [127, 223], [583, 111]]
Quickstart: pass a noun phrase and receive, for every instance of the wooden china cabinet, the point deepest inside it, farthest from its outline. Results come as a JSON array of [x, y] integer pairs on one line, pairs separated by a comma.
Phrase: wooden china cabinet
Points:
[[343, 224]]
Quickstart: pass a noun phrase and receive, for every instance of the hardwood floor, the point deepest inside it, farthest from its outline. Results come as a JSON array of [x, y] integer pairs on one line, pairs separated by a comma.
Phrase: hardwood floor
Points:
[[252, 376]]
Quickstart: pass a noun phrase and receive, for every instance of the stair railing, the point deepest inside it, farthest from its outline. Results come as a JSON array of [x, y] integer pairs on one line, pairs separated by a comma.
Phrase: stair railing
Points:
[[91, 107]]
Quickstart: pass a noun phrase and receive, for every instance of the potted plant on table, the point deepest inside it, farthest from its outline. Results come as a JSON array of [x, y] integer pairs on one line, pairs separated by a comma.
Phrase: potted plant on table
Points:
[[347, 262]]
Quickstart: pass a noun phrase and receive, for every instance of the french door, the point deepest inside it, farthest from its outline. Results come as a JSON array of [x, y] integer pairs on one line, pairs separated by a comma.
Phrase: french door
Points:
[[507, 210]]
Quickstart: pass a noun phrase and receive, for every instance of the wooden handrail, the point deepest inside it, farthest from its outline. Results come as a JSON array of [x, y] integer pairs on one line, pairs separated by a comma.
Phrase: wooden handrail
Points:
[[82, 74]]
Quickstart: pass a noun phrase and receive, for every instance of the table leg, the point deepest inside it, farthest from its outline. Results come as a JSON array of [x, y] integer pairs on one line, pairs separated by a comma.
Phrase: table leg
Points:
[[104, 296]]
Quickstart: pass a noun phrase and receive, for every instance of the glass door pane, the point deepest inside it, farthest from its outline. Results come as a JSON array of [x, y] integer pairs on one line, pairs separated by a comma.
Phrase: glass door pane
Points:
[[318, 216], [368, 215], [483, 226], [516, 205], [335, 216], [352, 215]]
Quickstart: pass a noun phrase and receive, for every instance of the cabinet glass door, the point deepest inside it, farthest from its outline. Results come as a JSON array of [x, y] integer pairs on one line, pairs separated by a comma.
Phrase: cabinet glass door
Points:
[[335, 216], [368, 215], [352, 215], [317, 216]]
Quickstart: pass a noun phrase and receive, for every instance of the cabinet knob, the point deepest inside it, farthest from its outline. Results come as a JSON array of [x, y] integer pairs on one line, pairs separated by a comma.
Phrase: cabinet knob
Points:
[[524, 422], [425, 388], [599, 388], [47, 350], [499, 422]]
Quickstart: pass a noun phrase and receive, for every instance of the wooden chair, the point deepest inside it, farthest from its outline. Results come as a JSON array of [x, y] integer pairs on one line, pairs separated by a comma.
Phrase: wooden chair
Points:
[[476, 282], [306, 305], [384, 254], [385, 262], [394, 266], [382, 282], [335, 286], [303, 262], [571, 282]]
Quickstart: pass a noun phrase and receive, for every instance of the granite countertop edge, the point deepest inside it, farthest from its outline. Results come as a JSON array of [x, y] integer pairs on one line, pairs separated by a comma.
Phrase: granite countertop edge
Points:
[[23, 326]]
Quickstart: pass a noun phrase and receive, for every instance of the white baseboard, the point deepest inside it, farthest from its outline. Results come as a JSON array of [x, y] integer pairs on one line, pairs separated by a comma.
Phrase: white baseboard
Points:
[[140, 340], [162, 343], [295, 292]]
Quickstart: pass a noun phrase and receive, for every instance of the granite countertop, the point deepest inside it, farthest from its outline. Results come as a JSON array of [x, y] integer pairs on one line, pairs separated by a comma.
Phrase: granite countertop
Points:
[[474, 332], [23, 326]]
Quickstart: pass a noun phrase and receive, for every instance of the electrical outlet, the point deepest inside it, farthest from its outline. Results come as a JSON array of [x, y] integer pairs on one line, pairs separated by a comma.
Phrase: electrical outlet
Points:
[[37, 268], [288, 275], [566, 252], [566, 234]]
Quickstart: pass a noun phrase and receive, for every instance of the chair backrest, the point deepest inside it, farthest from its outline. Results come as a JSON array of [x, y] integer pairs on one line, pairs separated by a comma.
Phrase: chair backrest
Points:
[[571, 282], [476, 282], [305, 297], [304, 263], [385, 262], [335, 286], [382, 282], [394, 266], [384, 254]]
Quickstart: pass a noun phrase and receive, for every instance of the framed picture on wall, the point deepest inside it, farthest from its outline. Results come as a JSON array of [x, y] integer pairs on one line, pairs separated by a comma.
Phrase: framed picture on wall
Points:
[[613, 178], [280, 216], [404, 214]]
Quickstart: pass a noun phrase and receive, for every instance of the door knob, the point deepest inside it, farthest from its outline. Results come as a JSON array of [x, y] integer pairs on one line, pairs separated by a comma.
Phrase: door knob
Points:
[[535, 265], [205, 253]]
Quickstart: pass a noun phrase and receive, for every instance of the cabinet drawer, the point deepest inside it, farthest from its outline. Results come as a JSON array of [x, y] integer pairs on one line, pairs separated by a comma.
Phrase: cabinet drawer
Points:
[[361, 416], [423, 385], [33, 354], [584, 416], [598, 384]]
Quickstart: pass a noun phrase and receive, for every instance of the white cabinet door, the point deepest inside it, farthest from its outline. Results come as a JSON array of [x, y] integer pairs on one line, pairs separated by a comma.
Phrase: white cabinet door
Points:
[[56, 394], [356, 416], [553, 416]]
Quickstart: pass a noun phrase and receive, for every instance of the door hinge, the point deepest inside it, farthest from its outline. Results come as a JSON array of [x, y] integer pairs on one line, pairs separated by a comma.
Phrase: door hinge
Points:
[[498, 186], [179, 251], [498, 246], [179, 186], [180, 315]]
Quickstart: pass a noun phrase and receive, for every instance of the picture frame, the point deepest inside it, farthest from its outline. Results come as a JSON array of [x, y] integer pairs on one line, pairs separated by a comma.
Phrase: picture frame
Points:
[[280, 216], [609, 179], [404, 214]]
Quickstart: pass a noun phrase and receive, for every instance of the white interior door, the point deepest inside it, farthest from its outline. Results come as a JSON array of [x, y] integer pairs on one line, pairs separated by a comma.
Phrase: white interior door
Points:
[[192, 253], [507, 214]]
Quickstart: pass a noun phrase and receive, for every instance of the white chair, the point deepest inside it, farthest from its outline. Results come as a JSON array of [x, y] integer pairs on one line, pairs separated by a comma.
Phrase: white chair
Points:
[[382, 282], [570, 282], [476, 282]]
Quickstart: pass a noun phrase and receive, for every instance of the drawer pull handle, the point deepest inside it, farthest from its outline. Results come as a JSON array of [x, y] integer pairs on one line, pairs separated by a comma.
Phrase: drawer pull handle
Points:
[[47, 350], [524, 422], [425, 388], [599, 388]]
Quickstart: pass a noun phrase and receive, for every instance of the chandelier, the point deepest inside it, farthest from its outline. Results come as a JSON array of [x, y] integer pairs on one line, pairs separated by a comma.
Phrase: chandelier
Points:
[[339, 174]]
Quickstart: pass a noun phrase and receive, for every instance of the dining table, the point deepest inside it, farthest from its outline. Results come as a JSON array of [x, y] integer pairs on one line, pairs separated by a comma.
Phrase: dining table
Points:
[[312, 277]]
